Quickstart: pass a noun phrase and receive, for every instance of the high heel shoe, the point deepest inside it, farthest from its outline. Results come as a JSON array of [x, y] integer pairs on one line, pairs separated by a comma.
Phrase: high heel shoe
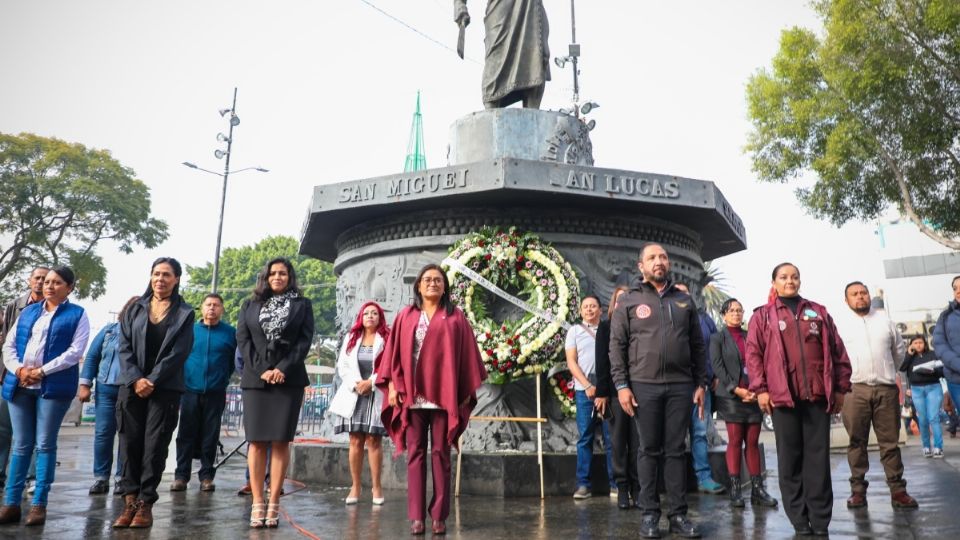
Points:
[[273, 516], [257, 515]]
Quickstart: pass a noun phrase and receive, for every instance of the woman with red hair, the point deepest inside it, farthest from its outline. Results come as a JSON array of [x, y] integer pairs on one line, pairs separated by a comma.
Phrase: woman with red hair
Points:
[[357, 402]]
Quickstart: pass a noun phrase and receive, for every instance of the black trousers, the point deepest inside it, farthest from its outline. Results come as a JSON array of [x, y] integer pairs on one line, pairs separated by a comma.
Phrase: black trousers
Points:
[[200, 416], [662, 420], [625, 442], [803, 455], [146, 427]]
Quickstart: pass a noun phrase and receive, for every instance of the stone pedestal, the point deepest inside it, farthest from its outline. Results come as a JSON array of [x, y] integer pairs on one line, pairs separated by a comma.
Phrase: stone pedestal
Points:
[[528, 169], [528, 134]]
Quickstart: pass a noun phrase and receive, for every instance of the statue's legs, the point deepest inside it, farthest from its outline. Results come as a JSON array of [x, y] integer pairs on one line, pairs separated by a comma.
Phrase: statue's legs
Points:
[[531, 98]]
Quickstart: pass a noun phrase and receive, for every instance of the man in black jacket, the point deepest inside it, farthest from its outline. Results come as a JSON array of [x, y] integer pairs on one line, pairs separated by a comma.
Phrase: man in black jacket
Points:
[[658, 364]]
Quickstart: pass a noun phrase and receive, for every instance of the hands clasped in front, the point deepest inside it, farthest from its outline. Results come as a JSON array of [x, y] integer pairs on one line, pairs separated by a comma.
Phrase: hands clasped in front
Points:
[[29, 376], [273, 376]]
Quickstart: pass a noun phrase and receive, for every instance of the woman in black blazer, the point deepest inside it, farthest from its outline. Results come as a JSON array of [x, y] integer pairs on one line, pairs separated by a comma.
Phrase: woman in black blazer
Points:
[[737, 405], [274, 333], [156, 336], [623, 434]]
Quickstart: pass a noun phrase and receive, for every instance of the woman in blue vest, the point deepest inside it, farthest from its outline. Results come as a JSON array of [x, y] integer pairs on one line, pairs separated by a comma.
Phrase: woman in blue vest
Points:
[[41, 354]]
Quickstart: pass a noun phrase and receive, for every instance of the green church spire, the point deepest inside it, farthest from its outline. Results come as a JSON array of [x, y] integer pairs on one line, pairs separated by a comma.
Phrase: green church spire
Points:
[[416, 159]]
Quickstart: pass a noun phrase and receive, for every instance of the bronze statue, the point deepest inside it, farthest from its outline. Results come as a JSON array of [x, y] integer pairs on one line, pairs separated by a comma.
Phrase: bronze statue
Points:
[[516, 57]]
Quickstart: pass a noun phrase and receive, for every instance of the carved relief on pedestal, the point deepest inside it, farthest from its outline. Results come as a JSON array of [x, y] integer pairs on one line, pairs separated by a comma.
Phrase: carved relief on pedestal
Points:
[[569, 143]]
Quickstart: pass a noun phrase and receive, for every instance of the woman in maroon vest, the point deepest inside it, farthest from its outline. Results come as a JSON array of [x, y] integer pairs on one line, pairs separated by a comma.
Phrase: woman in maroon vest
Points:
[[430, 370], [799, 371]]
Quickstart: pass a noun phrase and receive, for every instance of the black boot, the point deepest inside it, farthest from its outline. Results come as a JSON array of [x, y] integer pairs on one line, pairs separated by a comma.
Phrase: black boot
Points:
[[759, 495], [623, 497], [736, 492]]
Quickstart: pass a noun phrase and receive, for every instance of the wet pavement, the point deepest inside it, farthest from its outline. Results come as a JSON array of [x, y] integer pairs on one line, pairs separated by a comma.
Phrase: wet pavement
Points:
[[72, 513]]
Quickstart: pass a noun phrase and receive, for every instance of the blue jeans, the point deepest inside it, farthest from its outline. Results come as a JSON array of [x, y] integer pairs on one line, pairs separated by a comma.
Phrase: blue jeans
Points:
[[698, 441], [586, 424], [105, 411], [927, 401], [36, 424]]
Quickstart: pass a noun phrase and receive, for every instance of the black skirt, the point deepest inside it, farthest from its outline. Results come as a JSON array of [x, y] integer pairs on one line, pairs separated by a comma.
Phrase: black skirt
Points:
[[271, 413], [733, 409]]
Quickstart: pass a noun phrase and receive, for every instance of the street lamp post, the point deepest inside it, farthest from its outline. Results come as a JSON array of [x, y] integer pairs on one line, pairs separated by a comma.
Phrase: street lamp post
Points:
[[220, 154]]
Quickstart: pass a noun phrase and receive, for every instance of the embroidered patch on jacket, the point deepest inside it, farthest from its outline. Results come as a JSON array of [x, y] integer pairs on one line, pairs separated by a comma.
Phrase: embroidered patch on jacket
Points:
[[643, 311], [682, 305], [814, 329], [783, 325]]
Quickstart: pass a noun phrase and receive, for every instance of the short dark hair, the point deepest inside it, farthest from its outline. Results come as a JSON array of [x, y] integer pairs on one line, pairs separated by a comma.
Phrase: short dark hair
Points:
[[921, 337], [595, 297], [262, 291], [853, 284], [66, 274], [953, 281], [212, 295], [445, 301], [725, 307], [646, 245], [39, 267], [777, 268], [177, 271]]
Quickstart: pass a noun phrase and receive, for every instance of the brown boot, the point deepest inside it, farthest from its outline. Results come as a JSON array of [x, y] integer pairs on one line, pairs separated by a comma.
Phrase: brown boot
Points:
[[144, 517], [129, 511], [9, 514], [36, 516]]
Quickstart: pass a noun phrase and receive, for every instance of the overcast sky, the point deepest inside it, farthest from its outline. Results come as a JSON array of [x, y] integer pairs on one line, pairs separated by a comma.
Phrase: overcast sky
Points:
[[327, 91]]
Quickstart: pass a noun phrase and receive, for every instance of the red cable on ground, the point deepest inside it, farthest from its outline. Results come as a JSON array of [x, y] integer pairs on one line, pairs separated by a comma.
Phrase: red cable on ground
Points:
[[298, 528], [300, 486]]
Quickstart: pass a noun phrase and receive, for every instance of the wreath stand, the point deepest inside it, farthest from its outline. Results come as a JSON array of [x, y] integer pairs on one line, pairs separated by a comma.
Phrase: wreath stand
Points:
[[539, 420]]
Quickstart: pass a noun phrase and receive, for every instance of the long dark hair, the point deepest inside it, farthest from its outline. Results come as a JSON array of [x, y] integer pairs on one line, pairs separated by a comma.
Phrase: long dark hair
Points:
[[263, 291], [177, 271], [445, 302], [123, 310], [613, 299]]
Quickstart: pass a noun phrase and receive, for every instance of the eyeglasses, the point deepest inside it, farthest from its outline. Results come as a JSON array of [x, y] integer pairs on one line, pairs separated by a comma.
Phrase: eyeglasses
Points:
[[429, 280], [734, 311]]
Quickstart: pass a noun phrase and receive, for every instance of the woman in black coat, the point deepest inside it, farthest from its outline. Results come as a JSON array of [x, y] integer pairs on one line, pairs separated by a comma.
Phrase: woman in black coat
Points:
[[156, 336], [737, 405], [623, 434], [274, 333]]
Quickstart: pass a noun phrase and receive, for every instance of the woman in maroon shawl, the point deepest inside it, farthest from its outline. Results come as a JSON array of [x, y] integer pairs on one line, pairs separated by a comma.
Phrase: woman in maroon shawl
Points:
[[430, 371]]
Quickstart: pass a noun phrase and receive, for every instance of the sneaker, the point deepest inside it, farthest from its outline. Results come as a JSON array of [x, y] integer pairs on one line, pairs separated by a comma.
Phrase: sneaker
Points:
[[926, 452], [938, 453], [709, 486], [613, 492], [31, 487], [582, 492], [99, 487]]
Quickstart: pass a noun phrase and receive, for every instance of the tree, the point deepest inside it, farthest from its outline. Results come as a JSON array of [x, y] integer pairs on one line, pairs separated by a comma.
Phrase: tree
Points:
[[58, 200], [713, 286], [238, 277], [872, 108]]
